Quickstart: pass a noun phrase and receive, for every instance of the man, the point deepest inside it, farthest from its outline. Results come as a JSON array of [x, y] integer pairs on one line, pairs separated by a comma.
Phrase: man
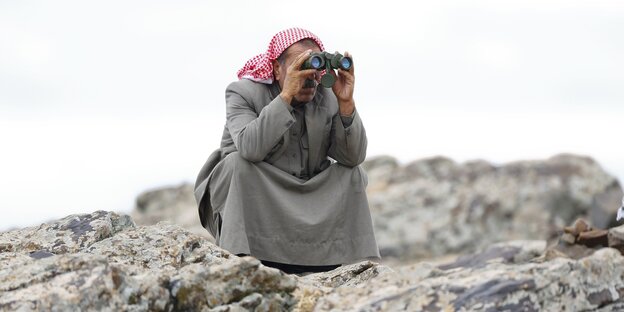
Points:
[[271, 190]]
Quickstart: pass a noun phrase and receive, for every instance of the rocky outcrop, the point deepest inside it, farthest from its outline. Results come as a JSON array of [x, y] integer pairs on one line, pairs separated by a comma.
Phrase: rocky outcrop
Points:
[[499, 284], [435, 206], [103, 261], [175, 204]]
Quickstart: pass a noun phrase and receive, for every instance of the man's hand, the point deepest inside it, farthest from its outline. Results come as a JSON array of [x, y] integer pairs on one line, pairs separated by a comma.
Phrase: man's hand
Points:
[[295, 77], [343, 89]]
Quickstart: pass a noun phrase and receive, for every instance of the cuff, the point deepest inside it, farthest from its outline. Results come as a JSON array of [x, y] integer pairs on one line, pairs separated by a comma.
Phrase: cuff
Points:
[[347, 120]]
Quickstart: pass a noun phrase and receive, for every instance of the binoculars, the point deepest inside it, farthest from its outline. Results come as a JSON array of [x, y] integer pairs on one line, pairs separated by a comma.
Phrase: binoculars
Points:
[[329, 61]]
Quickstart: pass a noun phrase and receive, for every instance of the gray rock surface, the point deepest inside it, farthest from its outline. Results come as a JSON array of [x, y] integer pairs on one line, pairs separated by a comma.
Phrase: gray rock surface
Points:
[[103, 261], [561, 284], [175, 204], [435, 206], [68, 235]]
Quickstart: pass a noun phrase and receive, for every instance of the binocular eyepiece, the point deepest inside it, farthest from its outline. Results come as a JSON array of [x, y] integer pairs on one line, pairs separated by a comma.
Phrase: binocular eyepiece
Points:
[[328, 61]]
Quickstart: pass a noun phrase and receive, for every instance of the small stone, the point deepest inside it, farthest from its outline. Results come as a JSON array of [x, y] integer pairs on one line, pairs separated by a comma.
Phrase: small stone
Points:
[[616, 238], [40, 254], [564, 250], [6, 247], [568, 238], [578, 227], [594, 238]]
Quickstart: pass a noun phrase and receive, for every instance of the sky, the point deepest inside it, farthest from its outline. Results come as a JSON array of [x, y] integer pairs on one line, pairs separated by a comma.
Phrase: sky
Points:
[[102, 100]]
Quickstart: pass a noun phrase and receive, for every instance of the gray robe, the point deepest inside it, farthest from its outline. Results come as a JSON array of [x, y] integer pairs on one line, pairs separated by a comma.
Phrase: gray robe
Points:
[[254, 201]]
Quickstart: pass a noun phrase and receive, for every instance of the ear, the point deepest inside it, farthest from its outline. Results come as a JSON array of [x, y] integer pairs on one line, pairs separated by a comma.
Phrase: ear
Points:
[[277, 70]]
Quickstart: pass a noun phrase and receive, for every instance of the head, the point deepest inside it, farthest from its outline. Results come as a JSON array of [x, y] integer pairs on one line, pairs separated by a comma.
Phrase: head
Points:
[[281, 64]]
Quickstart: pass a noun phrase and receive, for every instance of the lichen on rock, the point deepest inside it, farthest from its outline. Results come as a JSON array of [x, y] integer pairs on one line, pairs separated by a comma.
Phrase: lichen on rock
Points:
[[110, 264]]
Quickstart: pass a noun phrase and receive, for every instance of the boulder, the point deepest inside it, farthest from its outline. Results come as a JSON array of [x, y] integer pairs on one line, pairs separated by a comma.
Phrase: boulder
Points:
[[615, 238], [434, 207], [67, 235], [175, 204], [102, 261], [593, 283], [110, 264]]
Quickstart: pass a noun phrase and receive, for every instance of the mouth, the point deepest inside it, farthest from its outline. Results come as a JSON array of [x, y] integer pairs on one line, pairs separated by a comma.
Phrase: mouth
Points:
[[309, 84], [307, 92]]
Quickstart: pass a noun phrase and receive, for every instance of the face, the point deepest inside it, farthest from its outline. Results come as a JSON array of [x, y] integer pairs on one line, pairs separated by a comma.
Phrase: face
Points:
[[279, 70]]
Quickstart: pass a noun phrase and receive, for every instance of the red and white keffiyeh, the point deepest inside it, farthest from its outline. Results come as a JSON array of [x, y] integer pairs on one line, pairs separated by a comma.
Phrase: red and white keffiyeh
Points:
[[260, 67]]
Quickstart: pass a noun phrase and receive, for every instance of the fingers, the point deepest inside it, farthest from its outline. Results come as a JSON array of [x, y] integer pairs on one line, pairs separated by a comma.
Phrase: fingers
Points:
[[307, 72], [317, 76], [345, 74], [296, 65], [300, 59]]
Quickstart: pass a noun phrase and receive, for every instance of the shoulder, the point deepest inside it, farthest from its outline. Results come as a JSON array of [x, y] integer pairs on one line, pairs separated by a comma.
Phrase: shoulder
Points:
[[247, 89]]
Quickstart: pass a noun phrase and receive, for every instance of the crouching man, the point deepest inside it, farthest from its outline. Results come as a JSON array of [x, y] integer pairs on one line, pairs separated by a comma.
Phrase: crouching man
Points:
[[271, 190]]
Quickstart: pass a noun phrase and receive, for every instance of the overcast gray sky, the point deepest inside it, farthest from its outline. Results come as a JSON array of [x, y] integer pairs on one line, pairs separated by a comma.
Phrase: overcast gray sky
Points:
[[100, 100]]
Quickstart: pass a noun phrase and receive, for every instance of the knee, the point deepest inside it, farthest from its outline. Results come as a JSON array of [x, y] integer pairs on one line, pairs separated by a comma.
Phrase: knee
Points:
[[356, 171], [357, 176], [236, 159], [236, 163]]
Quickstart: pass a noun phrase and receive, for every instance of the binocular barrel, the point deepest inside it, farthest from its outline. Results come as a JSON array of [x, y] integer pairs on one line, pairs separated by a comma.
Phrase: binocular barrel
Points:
[[328, 61], [319, 60], [315, 61], [339, 61]]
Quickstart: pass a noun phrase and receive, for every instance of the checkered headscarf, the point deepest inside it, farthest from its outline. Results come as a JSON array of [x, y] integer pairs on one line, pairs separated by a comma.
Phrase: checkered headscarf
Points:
[[260, 67]]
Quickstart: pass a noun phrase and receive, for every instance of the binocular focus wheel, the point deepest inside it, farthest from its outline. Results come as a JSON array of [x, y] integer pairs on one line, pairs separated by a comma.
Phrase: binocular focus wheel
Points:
[[328, 80]]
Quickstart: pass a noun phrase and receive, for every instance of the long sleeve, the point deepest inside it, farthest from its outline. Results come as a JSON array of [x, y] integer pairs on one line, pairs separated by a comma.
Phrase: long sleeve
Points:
[[255, 135], [348, 140]]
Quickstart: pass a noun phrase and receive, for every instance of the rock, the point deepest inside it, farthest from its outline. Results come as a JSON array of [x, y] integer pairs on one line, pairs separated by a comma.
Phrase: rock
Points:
[[616, 238], [565, 250], [593, 238], [175, 204], [558, 285], [602, 210], [102, 261], [67, 235], [78, 281], [568, 238], [513, 252], [578, 227], [312, 287], [110, 264], [348, 275], [434, 207], [242, 283], [580, 240], [380, 171], [163, 247]]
